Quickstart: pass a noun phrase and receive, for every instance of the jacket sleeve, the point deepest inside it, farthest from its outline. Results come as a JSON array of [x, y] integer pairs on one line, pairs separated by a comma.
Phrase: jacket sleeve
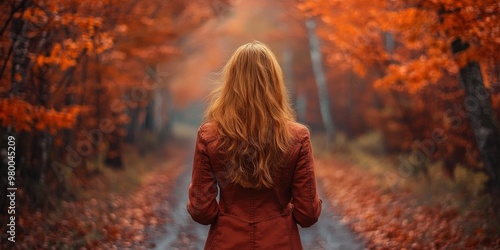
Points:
[[202, 204], [306, 201]]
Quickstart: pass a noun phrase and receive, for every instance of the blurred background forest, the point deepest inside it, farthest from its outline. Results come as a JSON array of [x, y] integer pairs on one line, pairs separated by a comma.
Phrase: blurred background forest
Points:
[[404, 93]]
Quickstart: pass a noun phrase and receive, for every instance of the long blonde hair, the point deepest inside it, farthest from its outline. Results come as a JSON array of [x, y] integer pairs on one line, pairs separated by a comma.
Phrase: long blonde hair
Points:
[[252, 109]]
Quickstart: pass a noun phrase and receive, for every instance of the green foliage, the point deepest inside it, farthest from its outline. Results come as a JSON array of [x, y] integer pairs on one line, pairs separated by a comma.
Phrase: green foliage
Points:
[[370, 142], [429, 179], [470, 181], [148, 141]]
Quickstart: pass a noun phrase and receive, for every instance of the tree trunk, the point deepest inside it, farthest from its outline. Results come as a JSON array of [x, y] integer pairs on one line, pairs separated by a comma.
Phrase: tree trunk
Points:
[[480, 114], [300, 106], [288, 69], [319, 75], [168, 114], [298, 100], [20, 59], [114, 153]]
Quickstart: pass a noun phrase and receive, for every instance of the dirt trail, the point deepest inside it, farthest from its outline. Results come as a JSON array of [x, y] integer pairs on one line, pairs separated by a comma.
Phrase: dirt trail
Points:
[[183, 233]]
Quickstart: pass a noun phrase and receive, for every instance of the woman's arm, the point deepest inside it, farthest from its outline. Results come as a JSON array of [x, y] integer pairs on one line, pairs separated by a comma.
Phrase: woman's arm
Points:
[[202, 205], [306, 202]]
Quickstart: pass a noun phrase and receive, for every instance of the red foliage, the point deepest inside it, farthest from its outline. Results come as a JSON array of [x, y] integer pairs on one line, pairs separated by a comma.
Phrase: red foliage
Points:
[[114, 220], [396, 219]]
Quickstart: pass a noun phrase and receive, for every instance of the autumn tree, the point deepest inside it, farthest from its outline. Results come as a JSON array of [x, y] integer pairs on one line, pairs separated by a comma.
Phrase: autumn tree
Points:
[[410, 49], [320, 79], [72, 70], [43, 43]]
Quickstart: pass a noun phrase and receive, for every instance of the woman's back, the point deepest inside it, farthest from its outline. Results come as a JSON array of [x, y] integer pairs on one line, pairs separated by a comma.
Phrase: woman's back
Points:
[[251, 150], [249, 218]]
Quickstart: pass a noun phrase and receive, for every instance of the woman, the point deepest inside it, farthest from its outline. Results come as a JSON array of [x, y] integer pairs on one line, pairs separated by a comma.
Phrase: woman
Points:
[[261, 160]]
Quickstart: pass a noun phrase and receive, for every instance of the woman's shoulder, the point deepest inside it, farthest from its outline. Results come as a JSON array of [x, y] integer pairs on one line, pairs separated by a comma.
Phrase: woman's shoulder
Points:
[[300, 132], [208, 131]]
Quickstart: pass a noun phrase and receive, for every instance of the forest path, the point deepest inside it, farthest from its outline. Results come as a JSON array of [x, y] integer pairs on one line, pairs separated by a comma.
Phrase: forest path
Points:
[[183, 233]]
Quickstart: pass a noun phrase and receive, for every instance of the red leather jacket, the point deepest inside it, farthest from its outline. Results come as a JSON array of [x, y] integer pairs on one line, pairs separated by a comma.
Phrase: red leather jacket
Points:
[[248, 218]]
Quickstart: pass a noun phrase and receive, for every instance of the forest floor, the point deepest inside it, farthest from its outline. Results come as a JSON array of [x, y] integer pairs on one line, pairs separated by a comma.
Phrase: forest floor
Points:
[[144, 209], [115, 209], [359, 211], [391, 212], [183, 233]]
